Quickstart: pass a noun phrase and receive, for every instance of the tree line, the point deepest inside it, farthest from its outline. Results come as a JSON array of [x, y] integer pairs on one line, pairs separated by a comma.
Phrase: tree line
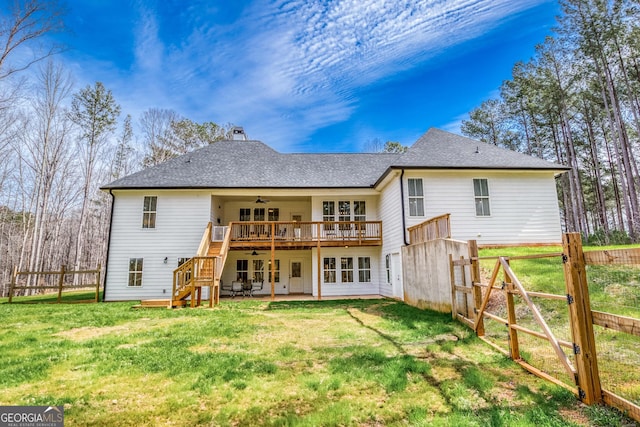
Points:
[[59, 143], [577, 102]]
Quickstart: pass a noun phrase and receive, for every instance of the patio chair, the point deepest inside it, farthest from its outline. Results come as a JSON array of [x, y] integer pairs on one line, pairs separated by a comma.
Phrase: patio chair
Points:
[[246, 289], [256, 286], [236, 288], [226, 288]]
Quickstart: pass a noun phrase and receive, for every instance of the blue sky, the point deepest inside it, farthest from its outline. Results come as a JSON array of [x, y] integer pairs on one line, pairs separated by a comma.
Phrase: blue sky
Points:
[[306, 75]]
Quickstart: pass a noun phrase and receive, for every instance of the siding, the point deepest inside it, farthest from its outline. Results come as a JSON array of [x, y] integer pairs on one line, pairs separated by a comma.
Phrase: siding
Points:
[[523, 205], [392, 238], [180, 223]]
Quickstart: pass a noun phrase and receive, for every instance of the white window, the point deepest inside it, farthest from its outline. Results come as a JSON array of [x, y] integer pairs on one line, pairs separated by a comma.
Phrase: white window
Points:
[[135, 271], [416, 197], [344, 209], [245, 214], [329, 270], [328, 211], [274, 214], [387, 263], [359, 210], [481, 192], [346, 270], [258, 214], [276, 271], [364, 269], [258, 270], [242, 270], [149, 212]]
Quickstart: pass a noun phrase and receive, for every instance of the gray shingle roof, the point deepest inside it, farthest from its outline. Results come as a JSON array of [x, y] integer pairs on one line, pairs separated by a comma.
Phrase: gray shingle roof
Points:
[[438, 149], [252, 164]]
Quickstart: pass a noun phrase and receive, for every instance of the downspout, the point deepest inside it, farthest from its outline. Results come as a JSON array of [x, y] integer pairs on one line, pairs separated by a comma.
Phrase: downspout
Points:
[[404, 224], [106, 261]]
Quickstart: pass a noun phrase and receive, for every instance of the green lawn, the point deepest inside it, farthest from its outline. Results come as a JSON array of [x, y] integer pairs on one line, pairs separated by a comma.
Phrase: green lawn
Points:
[[333, 363]]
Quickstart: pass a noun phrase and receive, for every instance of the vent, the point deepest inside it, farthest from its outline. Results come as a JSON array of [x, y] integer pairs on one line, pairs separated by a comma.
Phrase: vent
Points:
[[237, 134]]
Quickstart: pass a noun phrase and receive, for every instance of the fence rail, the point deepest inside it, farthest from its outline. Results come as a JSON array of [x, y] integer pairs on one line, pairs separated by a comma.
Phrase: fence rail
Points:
[[60, 284], [503, 300]]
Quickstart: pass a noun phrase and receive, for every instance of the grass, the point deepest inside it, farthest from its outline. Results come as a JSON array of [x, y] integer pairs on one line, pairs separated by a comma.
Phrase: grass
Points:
[[614, 289], [329, 363]]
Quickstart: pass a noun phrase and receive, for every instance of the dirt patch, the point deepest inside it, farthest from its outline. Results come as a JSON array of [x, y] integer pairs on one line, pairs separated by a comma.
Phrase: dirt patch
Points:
[[89, 332], [575, 415], [86, 333]]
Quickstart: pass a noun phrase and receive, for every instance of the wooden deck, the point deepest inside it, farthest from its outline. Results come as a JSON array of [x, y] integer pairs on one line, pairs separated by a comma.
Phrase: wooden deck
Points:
[[304, 235], [205, 269]]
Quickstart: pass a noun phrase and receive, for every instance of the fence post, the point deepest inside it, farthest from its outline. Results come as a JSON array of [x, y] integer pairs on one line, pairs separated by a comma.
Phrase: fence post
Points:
[[60, 283], [98, 283], [587, 378], [452, 274], [14, 274], [475, 282], [514, 346]]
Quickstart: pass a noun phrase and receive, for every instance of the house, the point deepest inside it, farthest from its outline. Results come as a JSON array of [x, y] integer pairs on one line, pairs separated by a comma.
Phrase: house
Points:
[[318, 224]]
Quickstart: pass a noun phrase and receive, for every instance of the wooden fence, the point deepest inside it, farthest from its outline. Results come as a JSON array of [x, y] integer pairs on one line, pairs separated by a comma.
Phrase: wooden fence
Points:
[[438, 227], [474, 303], [54, 280]]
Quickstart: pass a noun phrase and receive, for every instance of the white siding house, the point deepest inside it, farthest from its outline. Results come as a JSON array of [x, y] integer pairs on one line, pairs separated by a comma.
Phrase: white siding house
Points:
[[336, 222], [180, 216]]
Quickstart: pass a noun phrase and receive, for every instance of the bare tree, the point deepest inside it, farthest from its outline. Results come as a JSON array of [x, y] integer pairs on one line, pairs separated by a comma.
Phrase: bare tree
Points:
[[44, 150], [30, 21], [156, 125], [94, 111], [122, 160]]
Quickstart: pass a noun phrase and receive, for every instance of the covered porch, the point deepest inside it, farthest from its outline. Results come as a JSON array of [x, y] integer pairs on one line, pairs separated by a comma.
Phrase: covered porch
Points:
[[285, 257]]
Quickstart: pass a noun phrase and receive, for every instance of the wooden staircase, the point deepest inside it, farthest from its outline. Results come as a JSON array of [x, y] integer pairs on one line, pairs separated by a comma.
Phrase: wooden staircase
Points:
[[203, 270], [215, 248]]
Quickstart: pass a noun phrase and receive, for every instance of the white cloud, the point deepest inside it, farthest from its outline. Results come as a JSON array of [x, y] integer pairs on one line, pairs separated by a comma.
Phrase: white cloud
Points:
[[286, 68], [454, 125]]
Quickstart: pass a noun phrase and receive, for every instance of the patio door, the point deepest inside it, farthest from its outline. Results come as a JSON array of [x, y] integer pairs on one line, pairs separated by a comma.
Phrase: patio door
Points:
[[296, 285]]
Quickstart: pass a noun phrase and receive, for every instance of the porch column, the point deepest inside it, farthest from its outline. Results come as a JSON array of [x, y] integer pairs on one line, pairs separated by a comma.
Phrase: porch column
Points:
[[319, 264], [273, 260]]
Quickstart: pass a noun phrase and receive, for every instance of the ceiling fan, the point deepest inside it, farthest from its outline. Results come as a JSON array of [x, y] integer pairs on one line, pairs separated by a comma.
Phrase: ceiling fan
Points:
[[261, 200], [254, 253]]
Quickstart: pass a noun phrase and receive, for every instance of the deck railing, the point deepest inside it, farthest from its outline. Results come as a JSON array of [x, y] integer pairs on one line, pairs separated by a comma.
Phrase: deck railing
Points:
[[438, 227], [191, 276], [306, 231], [203, 248], [218, 233]]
